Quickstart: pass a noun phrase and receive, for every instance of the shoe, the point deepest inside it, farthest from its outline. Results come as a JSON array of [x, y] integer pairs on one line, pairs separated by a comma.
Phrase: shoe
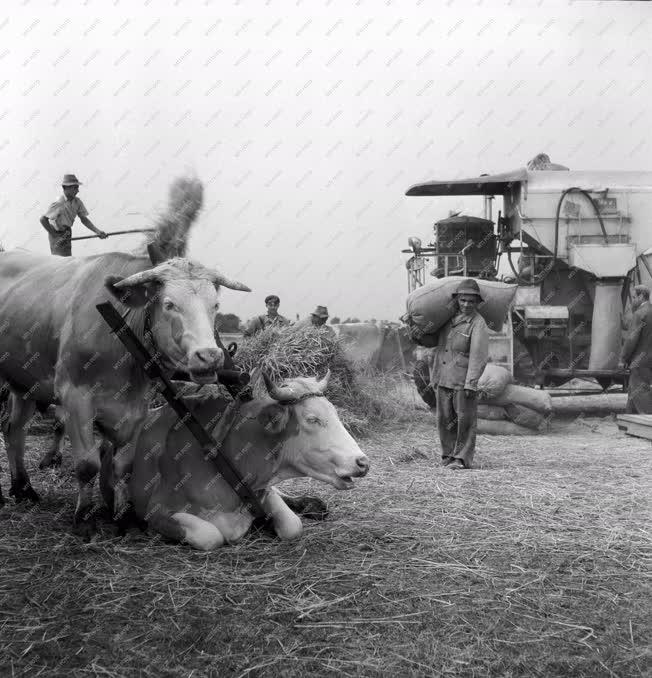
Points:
[[456, 465], [445, 461]]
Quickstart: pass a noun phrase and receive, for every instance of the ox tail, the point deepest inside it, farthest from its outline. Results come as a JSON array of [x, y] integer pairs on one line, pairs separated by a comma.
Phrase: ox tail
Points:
[[170, 237]]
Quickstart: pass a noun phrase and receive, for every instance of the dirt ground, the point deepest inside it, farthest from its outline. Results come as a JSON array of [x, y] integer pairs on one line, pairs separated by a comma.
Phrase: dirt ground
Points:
[[531, 564]]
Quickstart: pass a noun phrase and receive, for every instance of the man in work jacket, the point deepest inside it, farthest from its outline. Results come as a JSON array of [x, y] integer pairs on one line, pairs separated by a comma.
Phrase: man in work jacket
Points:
[[461, 356], [637, 354], [271, 318]]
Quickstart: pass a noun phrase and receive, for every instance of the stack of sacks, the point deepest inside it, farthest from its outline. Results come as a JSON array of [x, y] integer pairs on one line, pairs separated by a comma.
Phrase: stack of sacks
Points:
[[507, 409]]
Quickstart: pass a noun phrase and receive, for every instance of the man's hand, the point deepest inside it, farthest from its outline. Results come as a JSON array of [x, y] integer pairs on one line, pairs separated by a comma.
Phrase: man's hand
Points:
[[102, 235], [622, 365], [469, 393]]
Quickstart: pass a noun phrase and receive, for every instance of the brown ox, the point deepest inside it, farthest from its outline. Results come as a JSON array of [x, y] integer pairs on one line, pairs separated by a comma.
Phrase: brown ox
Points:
[[292, 432], [54, 345]]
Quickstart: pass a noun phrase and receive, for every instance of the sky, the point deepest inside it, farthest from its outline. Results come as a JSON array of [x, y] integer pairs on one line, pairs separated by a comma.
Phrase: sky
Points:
[[306, 122]]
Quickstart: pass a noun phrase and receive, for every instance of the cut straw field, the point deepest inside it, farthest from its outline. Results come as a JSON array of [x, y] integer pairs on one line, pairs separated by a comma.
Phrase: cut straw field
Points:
[[533, 564]]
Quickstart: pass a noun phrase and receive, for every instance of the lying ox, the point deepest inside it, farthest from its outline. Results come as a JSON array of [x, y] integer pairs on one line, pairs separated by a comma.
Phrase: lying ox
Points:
[[54, 345], [293, 432]]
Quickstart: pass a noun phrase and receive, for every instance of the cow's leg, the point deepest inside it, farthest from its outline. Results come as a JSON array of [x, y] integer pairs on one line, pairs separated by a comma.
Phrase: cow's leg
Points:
[[78, 405], [53, 457], [309, 507], [106, 473], [287, 524], [199, 533], [123, 511], [232, 525], [14, 434]]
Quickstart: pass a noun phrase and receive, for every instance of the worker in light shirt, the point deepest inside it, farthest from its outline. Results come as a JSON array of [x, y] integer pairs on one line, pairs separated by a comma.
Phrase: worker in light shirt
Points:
[[61, 214]]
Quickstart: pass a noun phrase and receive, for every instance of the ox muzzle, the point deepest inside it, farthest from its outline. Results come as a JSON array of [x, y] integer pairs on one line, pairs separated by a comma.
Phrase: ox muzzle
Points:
[[204, 364]]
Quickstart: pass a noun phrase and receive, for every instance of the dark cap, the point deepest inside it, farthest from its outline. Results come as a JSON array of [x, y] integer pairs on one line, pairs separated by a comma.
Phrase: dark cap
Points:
[[272, 297]]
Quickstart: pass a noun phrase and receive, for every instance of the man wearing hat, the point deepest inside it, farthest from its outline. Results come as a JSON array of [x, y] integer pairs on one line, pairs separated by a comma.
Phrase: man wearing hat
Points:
[[637, 353], [58, 220], [317, 318], [271, 318], [461, 356]]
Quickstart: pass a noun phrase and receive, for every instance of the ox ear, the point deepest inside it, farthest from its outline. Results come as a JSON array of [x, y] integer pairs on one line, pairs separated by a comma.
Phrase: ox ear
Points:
[[274, 418], [133, 296]]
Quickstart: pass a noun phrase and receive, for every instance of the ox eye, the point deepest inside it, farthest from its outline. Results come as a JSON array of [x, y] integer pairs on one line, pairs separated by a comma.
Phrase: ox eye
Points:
[[169, 305], [313, 420]]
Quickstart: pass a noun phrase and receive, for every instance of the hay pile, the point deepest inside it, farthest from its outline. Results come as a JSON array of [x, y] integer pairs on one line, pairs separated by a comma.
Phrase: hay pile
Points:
[[172, 226], [365, 399]]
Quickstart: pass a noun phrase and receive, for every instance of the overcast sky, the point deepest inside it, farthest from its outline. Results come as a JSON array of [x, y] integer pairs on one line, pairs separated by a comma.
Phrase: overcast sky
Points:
[[307, 121]]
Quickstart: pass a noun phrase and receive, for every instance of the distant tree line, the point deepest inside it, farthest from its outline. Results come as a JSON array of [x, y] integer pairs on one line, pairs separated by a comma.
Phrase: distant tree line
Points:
[[230, 322], [227, 322]]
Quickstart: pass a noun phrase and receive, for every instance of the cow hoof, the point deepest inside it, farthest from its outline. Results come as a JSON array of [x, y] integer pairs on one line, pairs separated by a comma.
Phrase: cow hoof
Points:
[[311, 508], [23, 492], [50, 461], [128, 520], [85, 529]]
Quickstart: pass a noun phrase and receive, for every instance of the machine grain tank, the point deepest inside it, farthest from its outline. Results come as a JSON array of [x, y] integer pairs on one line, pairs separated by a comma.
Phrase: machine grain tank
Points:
[[576, 242]]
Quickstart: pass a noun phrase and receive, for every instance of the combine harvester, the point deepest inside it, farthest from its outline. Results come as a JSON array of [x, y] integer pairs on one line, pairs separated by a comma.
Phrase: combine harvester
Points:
[[575, 242]]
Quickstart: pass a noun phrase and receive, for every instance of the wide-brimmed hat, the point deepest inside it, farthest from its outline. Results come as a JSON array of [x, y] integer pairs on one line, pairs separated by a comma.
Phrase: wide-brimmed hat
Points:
[[70, 180], [272, 297], [320, 312], [468, 286]]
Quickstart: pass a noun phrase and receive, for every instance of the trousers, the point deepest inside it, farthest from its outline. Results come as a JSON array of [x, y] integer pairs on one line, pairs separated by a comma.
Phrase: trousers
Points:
[[639, 393], [457, 424], [60, 243]]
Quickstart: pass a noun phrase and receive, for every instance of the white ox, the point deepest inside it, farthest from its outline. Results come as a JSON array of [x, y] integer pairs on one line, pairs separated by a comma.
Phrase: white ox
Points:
[[54, 345], [292, 432]]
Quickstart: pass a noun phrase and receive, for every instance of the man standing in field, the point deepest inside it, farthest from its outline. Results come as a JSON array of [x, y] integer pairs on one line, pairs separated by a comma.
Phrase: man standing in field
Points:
[[271, 318], [637, 354], [58, 220], [461, 356], [317, 318]]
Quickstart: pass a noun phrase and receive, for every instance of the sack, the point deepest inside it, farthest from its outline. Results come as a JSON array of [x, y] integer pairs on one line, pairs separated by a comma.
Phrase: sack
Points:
[[493, 380], [502, 428], [419, 337], [525, 416], [540, 401], [493, 412], [430, 307]]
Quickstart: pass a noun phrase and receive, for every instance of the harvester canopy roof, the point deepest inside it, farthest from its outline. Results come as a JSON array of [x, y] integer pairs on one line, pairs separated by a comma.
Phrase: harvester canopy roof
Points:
[[486, 184], [538, 181]]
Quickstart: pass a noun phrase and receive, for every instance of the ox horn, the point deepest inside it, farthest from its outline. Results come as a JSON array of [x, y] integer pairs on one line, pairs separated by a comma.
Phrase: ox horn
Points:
[[219, 279], [277, 393], [151, 275], [323, 383]]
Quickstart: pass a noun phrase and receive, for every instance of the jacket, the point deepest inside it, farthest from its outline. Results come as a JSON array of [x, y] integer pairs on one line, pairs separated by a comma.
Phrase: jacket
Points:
[[262, 322], [462, 353], [637, 348]]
